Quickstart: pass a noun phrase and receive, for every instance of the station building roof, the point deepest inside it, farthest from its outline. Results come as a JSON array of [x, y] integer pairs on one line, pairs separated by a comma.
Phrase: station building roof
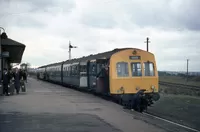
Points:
[[15, 49]]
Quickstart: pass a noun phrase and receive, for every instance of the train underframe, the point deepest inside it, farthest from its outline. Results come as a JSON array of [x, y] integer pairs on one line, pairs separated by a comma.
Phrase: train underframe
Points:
[[139, 101]]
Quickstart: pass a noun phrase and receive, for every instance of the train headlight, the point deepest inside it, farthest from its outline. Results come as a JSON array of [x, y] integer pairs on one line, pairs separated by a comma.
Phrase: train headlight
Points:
[[134, 52], [121, 90], [153, 88]]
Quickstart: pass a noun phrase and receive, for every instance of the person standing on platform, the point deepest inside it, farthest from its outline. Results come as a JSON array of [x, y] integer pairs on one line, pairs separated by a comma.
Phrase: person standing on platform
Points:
[[6, 81], [11, 74], [24, 76], [17, 77]]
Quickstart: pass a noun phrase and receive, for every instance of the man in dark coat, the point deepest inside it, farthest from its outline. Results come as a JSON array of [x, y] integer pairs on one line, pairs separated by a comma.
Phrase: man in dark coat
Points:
[[24, 76], [17, 77], [6, 81]]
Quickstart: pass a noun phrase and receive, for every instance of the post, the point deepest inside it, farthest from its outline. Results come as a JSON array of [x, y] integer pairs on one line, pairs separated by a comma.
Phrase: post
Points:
[[147, 44], [0, 57], [187, 68], [1, 87], [70, 47], [69, 50], [0, 53], [4, 36]]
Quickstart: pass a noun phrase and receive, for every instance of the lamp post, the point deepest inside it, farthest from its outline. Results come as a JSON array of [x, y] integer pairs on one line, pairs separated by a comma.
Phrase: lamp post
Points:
[[2, 36], [0, 52], [1, 88]]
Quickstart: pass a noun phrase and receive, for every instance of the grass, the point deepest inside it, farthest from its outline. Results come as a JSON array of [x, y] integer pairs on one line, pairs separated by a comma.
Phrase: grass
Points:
[[176, 79], [179, 108], [178, 104]]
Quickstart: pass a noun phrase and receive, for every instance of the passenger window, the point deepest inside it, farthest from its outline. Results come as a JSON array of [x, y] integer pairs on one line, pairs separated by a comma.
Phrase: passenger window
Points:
[[72, 71], [136, 69], [66, 71], [149, 69], [75, 70], [83, 68], [122, 69]]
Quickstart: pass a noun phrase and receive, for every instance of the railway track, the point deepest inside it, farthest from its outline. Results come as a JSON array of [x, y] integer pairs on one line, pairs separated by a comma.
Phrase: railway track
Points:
[[180, 85], [171, 122]]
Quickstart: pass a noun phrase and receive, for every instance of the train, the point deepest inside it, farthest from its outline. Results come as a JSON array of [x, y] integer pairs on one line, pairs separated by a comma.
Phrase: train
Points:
[[127, 75]]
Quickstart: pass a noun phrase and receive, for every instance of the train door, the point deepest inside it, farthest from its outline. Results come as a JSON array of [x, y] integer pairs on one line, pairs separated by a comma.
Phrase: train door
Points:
[[102, 82], [91, 74], [83, 74]]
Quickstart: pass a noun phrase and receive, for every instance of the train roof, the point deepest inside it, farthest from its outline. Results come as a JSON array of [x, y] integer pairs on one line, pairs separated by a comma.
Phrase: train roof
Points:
[[106, 54]]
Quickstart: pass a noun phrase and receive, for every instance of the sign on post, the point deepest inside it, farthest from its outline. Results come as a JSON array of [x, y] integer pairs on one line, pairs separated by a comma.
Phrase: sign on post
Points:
[[5, 54]]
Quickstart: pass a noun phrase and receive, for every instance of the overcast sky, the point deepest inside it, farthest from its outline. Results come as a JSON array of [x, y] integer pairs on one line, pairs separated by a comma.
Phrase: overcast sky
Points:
[[46, 26]]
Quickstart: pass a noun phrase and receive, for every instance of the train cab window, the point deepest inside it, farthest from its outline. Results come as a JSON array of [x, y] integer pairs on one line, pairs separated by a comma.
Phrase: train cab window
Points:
[[149, 69], [122, 69], [136, 69]]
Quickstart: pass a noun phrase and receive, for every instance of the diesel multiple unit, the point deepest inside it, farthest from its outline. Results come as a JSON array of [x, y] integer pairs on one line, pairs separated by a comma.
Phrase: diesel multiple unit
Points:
[[128, 75]]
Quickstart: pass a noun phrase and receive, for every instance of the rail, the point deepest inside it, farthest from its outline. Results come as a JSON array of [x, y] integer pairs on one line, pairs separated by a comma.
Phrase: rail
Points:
[[171, 122], [180, 85]]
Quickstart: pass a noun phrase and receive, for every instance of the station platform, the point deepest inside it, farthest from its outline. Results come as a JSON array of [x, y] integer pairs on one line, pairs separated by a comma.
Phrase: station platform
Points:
[[47, 107]]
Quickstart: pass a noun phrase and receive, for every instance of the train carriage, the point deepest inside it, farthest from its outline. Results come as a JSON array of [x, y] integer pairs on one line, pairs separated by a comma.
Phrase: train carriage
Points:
[[75, 73], [40, 73], [53, 73]]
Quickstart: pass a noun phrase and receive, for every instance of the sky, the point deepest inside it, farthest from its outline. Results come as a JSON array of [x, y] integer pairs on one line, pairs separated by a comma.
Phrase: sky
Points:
[[94, 26]]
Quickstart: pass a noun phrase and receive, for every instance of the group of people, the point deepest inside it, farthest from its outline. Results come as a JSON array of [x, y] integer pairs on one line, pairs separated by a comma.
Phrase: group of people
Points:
[[15, 75]]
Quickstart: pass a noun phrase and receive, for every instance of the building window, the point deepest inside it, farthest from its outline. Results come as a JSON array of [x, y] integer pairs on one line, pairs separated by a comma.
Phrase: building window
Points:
[[136, 69], [149, 69], [122, 69]]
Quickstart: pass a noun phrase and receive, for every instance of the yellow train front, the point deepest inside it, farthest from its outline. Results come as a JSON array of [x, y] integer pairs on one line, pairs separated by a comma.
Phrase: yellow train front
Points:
[[133, 78]]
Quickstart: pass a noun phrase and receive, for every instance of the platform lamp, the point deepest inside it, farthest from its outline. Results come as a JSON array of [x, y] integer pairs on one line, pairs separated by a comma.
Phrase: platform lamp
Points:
[[2, 36]]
